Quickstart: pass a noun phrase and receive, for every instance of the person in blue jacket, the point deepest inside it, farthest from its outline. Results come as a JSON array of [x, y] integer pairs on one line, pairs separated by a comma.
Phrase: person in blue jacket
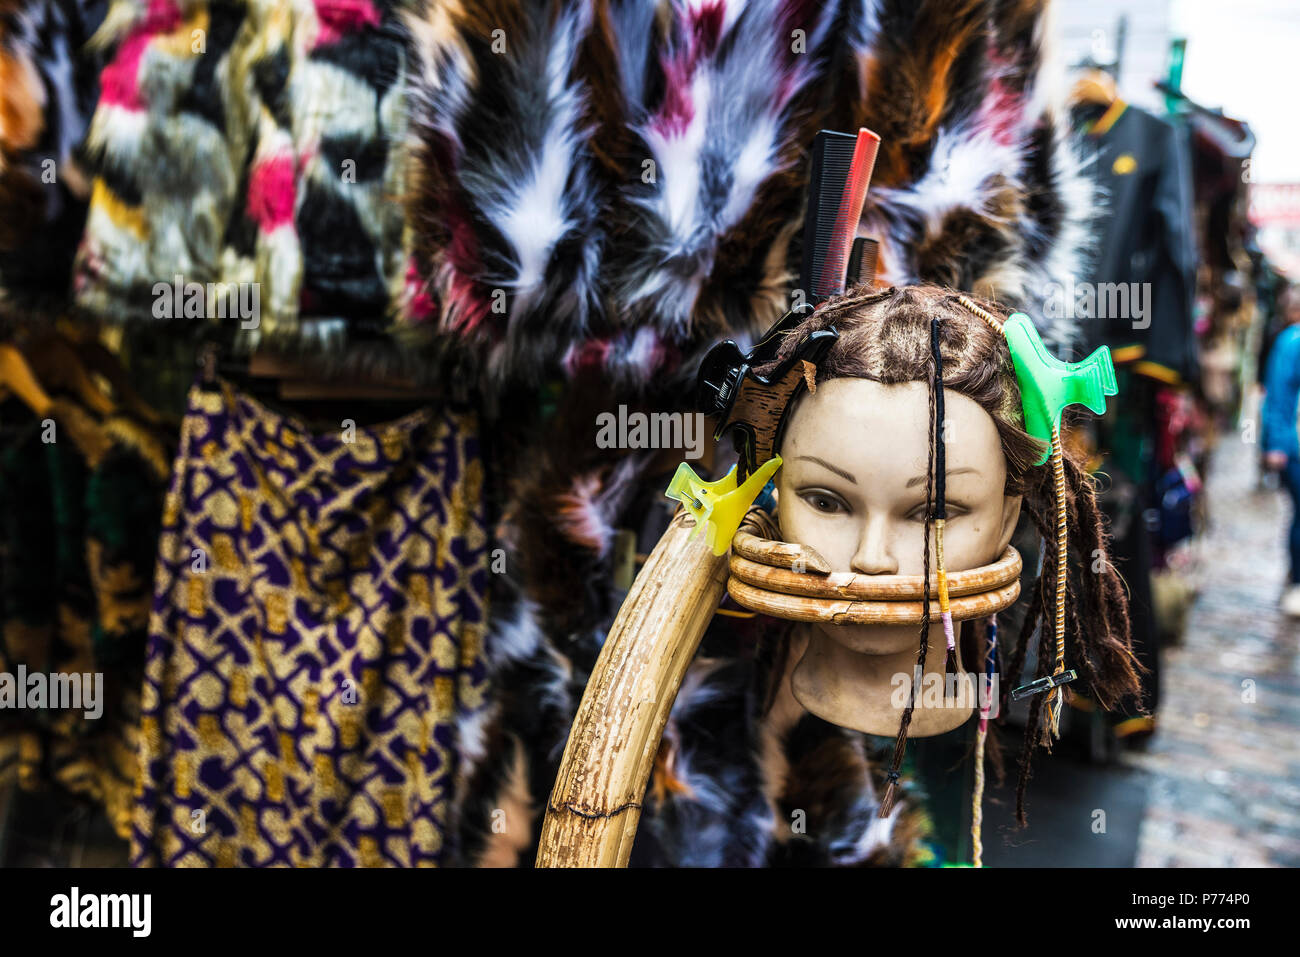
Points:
[[1281, 440]]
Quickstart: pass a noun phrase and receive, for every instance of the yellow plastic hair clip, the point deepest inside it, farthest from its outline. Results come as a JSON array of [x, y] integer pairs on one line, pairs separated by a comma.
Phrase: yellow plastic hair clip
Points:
[[719, 507]]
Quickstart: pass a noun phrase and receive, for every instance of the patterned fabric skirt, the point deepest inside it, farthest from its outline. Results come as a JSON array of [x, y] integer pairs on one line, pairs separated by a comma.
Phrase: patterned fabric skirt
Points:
[[316, 636]]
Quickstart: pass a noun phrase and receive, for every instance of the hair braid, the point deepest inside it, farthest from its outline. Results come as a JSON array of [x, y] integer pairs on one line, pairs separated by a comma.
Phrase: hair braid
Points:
[[900, 743]]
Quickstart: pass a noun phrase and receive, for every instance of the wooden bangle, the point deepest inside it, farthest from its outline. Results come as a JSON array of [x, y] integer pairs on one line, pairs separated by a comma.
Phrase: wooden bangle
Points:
[[841, 611], [769, 577], [775, 553]]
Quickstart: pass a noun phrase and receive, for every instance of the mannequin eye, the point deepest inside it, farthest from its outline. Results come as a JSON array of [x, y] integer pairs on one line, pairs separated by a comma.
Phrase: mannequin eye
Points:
[[825, 502], [920, 512]]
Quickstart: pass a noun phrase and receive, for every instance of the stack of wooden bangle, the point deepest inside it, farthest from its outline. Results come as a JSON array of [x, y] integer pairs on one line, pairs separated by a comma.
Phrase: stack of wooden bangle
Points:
[[792, 581]]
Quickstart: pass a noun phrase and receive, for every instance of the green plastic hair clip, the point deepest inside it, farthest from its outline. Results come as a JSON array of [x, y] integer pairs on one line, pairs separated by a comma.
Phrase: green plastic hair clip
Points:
[[1048, 385], [719, 507]]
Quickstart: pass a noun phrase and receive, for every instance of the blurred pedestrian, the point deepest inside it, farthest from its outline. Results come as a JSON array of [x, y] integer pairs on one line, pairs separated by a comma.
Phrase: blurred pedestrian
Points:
[[1281, 440]]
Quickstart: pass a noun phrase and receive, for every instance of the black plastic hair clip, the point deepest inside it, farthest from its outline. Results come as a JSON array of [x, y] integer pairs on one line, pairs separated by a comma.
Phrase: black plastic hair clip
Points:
[[751, 406], [1046, 683]]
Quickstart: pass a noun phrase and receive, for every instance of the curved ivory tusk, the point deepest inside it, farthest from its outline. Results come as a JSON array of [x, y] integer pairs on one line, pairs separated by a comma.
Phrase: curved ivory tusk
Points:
[[595, 807]]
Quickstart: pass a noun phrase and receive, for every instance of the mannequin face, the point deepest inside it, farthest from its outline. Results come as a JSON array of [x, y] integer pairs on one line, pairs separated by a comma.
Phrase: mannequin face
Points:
[[853, 486]]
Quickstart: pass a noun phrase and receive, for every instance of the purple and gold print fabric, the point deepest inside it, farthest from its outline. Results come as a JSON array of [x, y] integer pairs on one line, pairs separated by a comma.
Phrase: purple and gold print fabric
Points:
[[316, 636]]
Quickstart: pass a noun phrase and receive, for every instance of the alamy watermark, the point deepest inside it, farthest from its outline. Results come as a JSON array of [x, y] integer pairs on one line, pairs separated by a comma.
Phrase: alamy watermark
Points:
[[179, 299], [1099, 300], [651, 430], [933, 690], [60, 691], [132, 912]]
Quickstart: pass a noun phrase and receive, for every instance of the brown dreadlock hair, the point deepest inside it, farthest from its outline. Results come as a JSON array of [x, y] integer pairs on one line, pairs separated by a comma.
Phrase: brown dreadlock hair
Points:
[[885, 336]]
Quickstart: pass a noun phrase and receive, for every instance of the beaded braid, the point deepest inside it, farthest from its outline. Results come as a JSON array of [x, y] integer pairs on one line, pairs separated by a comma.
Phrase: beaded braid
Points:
[[986, 711], [939, 450], [900, 743], [1056, 696], [990, 654]]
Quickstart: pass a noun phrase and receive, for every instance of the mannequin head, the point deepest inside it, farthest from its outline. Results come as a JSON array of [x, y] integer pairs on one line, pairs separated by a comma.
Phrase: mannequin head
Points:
[[853, 486], [857, 484]]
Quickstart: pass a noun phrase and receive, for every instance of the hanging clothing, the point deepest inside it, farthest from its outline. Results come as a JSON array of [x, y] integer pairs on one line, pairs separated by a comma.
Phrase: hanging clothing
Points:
[[316, 639], [80, 507], [1146, 261], [48, 604], [1145, 243]]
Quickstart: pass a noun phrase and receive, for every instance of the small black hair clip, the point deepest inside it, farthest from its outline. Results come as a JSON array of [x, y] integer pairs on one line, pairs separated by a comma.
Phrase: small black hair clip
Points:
[[1046, 683], [751, 406]]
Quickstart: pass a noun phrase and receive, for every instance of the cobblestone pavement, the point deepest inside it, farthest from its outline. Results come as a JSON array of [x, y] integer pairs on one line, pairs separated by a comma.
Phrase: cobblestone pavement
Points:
[[1224, 764]]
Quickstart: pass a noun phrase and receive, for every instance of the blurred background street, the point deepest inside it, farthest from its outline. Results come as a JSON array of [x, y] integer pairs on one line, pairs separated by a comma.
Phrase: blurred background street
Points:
[[1218, 783]]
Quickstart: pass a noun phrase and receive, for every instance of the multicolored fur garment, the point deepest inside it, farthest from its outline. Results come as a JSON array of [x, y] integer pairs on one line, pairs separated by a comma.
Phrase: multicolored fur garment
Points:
[[81, 501], [316, 643], [619, 183], [319, 227], [166, 145], [251, 142], [349, 110]]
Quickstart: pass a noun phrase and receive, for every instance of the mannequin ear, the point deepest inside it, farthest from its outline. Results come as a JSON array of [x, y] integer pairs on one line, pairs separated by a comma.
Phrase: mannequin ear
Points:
[[1010, 515]]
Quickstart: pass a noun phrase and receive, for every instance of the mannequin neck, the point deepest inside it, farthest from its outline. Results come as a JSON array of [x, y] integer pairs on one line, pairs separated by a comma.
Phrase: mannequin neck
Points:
[[869, 692]]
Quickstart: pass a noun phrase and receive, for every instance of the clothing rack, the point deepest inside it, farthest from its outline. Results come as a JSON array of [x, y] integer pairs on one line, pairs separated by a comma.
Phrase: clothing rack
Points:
[[1237, 140]]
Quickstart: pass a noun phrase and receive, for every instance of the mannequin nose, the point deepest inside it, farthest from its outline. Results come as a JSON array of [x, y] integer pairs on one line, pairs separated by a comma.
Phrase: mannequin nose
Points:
[[874, 555]]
